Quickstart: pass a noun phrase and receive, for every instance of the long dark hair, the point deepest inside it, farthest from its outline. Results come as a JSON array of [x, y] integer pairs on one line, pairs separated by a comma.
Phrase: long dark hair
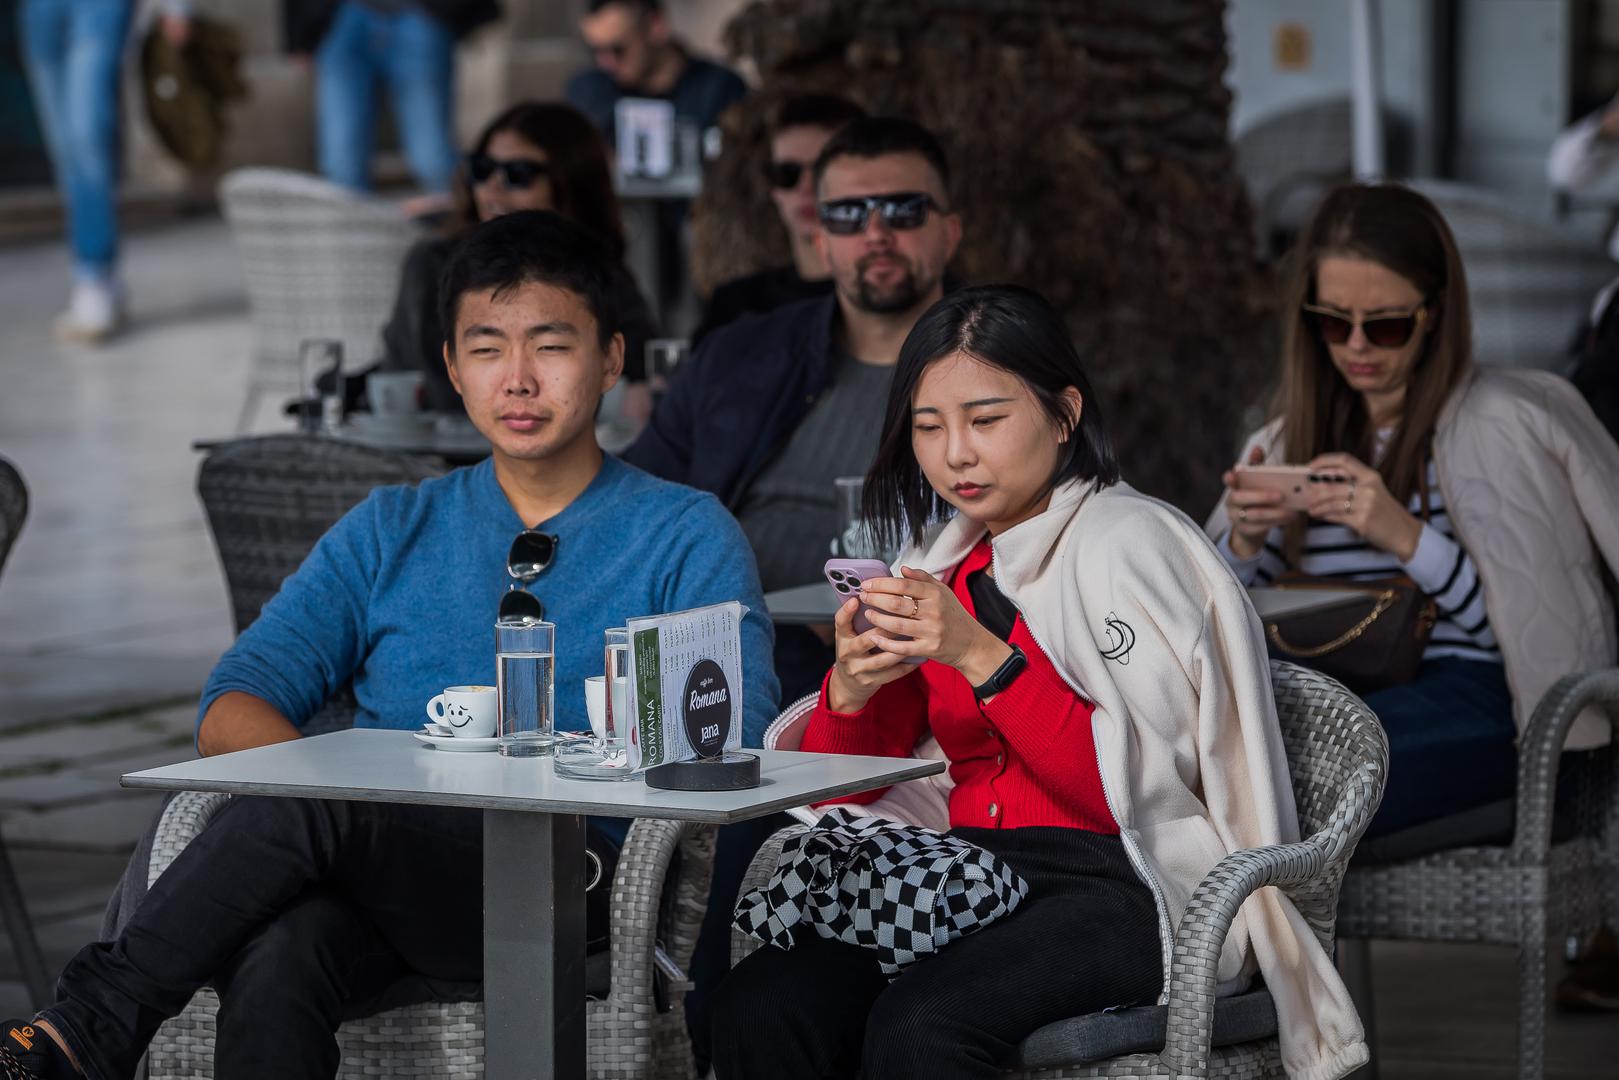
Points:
[[581, 182], [1401, 230], [1018, 331]]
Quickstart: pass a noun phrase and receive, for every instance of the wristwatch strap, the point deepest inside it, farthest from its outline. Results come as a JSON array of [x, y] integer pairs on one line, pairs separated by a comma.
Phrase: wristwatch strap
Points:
[[1002, 677]]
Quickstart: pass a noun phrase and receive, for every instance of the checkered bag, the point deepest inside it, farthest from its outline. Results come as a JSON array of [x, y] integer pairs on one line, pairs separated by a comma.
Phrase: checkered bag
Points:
[[902, 890]]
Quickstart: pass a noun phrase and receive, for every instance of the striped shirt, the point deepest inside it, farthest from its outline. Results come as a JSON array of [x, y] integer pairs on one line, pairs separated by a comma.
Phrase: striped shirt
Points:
[[1441, 568]]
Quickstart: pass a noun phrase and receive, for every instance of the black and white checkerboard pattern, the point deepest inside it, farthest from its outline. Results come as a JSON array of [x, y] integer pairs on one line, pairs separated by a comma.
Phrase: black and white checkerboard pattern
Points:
[[902, 890]]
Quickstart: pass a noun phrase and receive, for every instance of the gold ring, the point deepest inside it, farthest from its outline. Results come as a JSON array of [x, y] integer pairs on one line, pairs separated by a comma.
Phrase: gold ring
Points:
[[1349, 503], [916, 608], [1242, 515]]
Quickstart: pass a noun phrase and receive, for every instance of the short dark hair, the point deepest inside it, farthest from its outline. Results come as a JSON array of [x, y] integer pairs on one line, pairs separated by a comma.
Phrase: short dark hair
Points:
[[828, 111], [592, 7], [1006, 326], [879, 136], [529, 247]]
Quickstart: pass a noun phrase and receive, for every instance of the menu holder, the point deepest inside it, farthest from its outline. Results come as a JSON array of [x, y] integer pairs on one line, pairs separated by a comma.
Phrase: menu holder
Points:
[[685, 672]]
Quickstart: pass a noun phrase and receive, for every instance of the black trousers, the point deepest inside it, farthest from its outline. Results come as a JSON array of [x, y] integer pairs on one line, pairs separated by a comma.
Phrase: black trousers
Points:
[[302, 913], [1085, 938]]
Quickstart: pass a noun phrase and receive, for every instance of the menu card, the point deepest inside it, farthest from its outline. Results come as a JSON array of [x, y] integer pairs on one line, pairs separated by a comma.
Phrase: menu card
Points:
[[685, 684]]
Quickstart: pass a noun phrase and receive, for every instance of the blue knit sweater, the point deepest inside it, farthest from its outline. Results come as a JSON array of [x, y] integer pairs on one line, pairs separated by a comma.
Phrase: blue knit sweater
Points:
[[400, 596]]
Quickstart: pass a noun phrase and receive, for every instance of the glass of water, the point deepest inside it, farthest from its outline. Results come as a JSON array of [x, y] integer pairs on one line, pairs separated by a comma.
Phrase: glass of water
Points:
[[525, 661]]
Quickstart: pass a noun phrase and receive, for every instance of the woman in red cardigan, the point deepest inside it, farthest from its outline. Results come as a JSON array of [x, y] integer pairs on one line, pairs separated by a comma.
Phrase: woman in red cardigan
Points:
[[990, 396]]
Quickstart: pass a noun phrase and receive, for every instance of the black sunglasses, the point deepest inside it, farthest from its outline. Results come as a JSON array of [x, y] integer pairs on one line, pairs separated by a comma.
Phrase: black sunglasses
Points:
[[1385, 331], [785, 175], [900, 210], [530, 556], [519, 173]]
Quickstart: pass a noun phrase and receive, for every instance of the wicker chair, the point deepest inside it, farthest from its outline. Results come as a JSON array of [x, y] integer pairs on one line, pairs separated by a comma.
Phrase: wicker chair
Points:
[[629, 1036], [269, 499], [1519, 894], [24, 942], [1531, 282], [319, 261], [1338, 758]]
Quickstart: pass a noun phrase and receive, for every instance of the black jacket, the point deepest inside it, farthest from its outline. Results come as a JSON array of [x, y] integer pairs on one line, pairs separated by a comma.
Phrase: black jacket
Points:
[[304, 22], [734, 403]]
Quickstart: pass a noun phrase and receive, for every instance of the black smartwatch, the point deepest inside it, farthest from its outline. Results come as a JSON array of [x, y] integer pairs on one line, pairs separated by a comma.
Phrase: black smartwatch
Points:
[[1010, 669]]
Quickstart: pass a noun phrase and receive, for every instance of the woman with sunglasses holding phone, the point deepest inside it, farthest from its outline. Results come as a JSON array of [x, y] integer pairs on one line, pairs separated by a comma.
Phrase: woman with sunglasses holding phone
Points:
[[533, 156], [1484, 487]]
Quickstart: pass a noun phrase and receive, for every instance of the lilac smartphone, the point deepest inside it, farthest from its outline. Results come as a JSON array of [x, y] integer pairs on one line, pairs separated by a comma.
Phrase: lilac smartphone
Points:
[[845, 576]]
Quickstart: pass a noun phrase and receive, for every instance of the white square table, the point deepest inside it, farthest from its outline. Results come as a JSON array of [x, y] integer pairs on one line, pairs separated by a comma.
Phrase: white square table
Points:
[[534, 851]]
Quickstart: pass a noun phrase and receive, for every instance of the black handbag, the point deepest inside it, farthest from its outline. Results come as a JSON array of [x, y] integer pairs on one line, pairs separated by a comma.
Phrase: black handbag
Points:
[[1367, 645]]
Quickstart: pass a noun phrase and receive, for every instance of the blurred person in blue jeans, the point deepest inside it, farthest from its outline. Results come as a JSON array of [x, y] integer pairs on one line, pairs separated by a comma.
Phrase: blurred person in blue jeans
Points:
[[73, 50], [406, 46]]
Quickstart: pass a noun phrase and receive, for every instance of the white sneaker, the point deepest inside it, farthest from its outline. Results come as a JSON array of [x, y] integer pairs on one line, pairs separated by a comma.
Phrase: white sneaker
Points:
[[94, 312]]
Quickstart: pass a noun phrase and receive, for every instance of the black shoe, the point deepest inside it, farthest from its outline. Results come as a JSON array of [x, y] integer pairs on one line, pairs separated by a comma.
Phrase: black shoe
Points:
[[27, 1053], [1592, 984]]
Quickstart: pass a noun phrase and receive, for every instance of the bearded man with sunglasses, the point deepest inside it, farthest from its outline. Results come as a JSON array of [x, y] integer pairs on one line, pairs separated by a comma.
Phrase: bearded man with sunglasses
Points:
[[304, 912]]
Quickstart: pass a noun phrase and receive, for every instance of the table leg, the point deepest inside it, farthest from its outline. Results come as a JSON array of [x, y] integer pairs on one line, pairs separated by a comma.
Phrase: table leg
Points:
[[533, 945]]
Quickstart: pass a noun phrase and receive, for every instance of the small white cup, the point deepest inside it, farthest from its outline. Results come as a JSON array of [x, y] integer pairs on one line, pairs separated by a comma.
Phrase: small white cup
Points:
[[596, 704], [392, 394], [468, 711]]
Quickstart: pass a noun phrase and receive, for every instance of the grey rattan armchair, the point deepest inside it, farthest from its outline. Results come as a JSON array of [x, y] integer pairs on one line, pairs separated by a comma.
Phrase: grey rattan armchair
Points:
[[1338, 759], [24, 942], [319, 261], [1522, 893], [630, 1034], [269, 499]]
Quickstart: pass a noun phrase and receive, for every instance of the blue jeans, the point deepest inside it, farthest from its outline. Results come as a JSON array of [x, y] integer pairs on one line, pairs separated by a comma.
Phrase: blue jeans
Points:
[[1451, 748], [414, 55], [72, 50]]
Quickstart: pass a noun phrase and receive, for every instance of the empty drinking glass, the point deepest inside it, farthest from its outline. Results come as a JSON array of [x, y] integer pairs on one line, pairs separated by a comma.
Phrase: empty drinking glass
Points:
[[525, 656], [320, 373], [855, 539], [605, 755]]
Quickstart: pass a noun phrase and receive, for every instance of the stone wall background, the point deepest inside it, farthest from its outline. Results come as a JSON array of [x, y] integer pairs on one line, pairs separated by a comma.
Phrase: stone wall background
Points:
[[1088, 141]]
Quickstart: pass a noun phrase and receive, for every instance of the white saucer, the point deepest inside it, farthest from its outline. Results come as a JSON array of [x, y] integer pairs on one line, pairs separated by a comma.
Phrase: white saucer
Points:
[[455, 743]]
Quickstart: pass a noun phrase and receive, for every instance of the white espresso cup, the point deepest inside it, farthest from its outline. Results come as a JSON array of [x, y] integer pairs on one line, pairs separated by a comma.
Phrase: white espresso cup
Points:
[[596, 705], [468, 711]]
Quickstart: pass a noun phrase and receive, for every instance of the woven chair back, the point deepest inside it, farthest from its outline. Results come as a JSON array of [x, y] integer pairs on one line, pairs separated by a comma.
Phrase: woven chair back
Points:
[[13, 506], [318, 260], [1337, 756], [269, 499]]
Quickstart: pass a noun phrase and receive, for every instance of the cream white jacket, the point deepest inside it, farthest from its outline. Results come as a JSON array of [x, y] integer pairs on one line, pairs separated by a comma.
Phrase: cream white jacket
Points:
[[1140, 614], [1531, 482]]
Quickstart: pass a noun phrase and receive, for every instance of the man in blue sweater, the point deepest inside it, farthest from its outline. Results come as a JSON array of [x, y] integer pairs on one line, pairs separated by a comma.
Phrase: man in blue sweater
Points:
[[304, 912]]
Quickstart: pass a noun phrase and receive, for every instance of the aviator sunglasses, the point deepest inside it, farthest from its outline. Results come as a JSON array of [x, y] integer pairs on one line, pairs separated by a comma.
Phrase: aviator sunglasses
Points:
[[530, 556], [900, 210], [518, 174], [1383, 331]]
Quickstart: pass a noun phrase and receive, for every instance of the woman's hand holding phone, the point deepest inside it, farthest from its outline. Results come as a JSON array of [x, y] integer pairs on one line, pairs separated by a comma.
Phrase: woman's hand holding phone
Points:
[[921, 607], [863, 666], [1254, 512]]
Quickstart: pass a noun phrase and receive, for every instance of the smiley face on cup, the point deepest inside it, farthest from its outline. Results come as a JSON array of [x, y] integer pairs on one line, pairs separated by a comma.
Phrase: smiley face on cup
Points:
[[467, 711]]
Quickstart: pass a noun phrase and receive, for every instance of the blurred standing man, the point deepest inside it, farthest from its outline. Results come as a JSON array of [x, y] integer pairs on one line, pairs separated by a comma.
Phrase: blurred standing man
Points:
[[637, 55], [408, 46], [799, 130], [73, 51]]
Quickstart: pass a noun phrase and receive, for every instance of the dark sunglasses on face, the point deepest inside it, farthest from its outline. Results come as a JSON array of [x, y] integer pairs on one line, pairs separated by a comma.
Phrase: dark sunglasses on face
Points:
[[530, 556], [785, 175], [1383, 331], [900, 210], [518, 174]]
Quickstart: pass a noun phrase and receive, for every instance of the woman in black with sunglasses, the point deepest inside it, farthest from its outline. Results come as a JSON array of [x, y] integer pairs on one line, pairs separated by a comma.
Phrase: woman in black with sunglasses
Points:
[[1481, 486], [533, 156]]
